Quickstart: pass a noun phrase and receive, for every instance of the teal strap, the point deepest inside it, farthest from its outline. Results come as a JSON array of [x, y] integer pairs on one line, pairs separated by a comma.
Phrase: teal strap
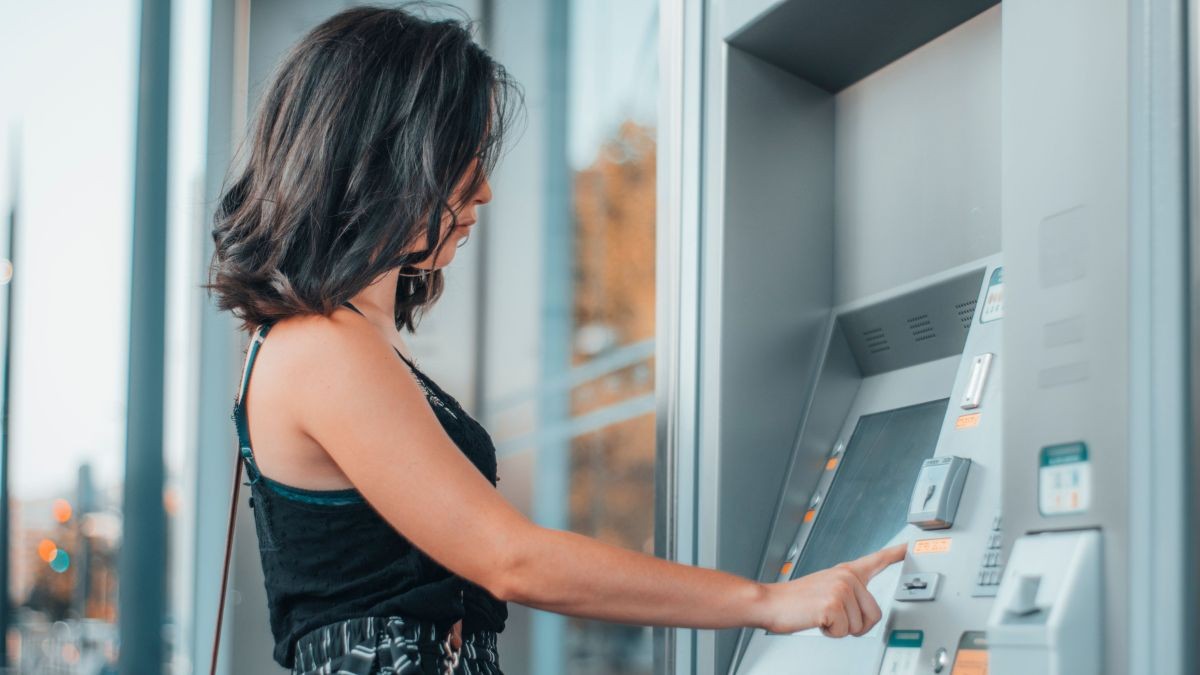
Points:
[[330, 497], [239, 411]]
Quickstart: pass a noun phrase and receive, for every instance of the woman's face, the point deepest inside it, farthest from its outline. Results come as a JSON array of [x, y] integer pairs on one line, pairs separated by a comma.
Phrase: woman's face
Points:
[[466, 220]]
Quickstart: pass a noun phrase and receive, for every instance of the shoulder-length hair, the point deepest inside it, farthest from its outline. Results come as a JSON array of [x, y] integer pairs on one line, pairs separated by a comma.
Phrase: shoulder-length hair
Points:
[[371, 121]]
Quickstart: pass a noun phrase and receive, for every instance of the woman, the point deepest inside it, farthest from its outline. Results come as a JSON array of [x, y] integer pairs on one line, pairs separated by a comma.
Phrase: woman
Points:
[[385, 545]]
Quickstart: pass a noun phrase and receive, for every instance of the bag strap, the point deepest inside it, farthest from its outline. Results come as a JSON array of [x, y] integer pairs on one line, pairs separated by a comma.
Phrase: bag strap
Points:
[[240, 458], [233, 502]]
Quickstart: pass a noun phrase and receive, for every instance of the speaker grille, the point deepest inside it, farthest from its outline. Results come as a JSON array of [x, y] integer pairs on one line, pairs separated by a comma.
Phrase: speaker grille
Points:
[[921, 328], [965, 312], [875, 340]]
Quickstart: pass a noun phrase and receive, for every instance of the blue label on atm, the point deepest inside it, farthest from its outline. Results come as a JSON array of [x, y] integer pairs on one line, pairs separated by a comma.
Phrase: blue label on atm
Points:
[[903, 653], [906, 638]]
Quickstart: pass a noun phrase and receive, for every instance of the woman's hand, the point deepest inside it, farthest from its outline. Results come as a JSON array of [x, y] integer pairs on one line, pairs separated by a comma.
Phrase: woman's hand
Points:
[[836, 600]]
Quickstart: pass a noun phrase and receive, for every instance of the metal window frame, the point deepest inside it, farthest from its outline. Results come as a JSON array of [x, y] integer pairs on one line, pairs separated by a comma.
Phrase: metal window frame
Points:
[[678, 307]]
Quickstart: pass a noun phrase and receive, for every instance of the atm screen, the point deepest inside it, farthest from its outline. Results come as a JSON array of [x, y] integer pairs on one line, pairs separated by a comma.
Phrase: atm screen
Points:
[[867, 502]]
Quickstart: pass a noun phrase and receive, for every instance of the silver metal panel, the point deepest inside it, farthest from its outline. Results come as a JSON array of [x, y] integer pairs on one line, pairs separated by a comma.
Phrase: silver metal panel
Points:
[[918, 163], [711, 250], [1158, 234], [777, 290], [1191, 595], [1088, 232]]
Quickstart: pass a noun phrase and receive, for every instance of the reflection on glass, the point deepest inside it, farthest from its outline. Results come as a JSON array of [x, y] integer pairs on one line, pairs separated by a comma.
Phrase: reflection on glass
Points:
[[612, 468], [612, 499]]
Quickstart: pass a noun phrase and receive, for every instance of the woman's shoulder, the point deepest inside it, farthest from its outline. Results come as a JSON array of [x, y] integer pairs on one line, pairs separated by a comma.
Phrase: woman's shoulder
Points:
[[306, 339], [303, 355]]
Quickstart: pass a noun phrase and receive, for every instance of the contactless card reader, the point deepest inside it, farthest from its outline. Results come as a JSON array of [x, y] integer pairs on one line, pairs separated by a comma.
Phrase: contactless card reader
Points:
[[935, 496]]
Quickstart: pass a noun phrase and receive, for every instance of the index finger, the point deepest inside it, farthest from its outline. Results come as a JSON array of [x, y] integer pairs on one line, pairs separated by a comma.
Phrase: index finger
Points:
[[873, 563]]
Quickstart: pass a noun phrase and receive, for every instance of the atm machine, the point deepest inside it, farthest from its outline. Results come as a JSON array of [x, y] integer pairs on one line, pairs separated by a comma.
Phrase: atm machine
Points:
[[914, 376], [944, 277]]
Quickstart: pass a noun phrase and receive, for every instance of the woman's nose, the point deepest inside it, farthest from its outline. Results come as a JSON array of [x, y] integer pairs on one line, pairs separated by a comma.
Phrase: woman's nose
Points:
[[484, 194]]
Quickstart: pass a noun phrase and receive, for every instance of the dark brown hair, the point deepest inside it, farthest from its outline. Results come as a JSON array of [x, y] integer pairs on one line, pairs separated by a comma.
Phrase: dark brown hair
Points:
[[371, 121]]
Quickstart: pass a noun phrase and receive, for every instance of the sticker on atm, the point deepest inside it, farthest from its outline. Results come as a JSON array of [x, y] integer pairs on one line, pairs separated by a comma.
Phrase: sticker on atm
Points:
[[903, 653], [993, 300], [939, 545], [1064, 479], [972, 657]]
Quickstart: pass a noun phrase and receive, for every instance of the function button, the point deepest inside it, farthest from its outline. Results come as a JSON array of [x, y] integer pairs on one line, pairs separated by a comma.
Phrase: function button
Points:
[[996, 522], [993, 540]]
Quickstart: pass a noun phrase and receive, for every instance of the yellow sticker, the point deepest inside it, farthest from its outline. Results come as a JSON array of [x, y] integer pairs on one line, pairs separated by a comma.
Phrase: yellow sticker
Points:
[[967, 421], [941, 545]]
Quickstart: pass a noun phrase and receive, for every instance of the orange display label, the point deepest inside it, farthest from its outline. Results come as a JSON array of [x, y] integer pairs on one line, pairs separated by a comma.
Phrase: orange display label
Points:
[[809, 515], [786, 569], [971, 662], [932, 545], [831, 463], [967, 421]]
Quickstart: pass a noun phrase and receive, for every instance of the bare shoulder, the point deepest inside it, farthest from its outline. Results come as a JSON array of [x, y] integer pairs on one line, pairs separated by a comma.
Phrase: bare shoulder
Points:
[[316, 335], [315, 356], [341, 378]]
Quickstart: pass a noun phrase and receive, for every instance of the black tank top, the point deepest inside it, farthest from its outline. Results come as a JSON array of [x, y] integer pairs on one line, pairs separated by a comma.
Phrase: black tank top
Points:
[[327, 555]]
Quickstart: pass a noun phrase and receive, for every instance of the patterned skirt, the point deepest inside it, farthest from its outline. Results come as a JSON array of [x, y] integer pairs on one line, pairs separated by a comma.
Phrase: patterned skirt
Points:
[[391, 646]]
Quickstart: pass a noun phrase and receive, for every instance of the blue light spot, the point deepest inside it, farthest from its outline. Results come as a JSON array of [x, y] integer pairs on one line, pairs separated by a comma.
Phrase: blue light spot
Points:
[[61, 561]]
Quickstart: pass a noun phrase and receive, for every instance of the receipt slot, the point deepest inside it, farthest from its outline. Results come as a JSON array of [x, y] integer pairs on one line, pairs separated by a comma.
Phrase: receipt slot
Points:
[[1047, 615]]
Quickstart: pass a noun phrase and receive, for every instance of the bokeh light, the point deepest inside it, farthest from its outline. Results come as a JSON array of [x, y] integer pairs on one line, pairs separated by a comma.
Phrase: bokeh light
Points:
[[62, 510], [61, 561], [47, 550]]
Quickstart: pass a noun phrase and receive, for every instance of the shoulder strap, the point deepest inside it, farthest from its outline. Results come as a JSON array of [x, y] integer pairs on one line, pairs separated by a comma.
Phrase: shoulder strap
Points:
[[237, 481], [239, 458]]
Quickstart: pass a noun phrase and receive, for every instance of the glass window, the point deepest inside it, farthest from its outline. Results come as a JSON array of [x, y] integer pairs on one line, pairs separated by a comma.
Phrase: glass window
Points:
[[67, 116], [568, 335]]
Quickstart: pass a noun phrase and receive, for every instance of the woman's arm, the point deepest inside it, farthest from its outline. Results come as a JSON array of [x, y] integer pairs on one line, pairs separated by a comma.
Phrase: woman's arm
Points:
[[360, 403]]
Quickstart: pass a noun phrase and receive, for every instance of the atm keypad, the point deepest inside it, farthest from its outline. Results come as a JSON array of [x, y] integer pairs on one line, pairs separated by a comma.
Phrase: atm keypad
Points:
[[991, 568]]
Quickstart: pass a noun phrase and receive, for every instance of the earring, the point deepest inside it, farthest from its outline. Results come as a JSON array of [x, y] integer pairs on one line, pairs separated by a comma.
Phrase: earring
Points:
[[421, 274]]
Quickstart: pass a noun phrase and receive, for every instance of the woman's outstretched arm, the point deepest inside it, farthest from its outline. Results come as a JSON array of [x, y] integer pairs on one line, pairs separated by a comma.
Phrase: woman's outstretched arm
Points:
[[356, 399]]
